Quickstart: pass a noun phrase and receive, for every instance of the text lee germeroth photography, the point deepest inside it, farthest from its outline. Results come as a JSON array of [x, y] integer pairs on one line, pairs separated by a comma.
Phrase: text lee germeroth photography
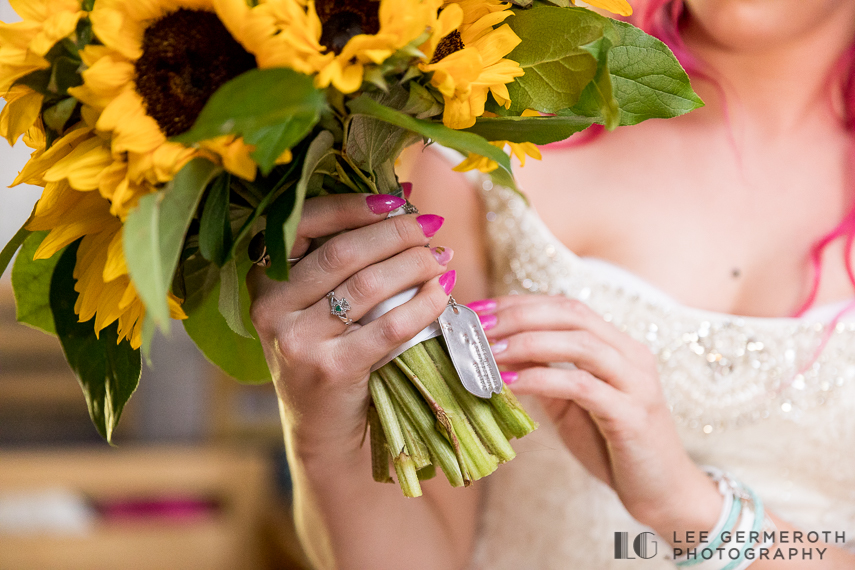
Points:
[[698, 545]]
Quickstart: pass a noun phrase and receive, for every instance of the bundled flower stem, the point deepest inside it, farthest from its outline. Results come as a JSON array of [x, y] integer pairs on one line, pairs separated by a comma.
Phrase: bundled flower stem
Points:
[[439, 421]]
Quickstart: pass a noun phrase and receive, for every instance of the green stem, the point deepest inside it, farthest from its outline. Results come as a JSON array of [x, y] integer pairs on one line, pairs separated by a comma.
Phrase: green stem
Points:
[[404, 467], [442, 421], [426, 473], [345, 179], [481, 461], [379, 449], [424, 421], [415, 444], [478, 411], [509, 413]]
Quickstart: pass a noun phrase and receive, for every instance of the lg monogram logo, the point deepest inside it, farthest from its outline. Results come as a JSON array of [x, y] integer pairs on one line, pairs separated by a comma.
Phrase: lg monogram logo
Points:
[[643, 546]]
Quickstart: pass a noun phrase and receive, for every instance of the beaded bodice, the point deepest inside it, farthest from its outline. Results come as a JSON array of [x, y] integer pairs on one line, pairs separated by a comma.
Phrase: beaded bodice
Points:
[[770, 399]]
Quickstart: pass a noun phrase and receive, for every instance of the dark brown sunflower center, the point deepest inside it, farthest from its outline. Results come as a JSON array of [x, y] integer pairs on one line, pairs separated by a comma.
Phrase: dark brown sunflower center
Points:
[[343, 19], [187, 55], [447, 46]]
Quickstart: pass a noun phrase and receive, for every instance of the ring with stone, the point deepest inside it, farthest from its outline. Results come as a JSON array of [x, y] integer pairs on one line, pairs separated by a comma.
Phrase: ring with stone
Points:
[[339, 308]]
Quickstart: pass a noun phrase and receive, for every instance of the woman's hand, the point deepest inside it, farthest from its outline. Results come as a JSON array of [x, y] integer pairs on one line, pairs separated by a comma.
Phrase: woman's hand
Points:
[[609, 409], [319, 364]]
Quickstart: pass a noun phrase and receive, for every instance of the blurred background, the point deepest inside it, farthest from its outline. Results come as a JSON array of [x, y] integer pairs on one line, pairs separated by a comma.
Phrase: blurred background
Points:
[[197, 478]]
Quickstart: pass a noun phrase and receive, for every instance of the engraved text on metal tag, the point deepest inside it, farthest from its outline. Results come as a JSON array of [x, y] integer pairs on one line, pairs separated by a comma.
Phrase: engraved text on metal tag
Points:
[[470, 351]]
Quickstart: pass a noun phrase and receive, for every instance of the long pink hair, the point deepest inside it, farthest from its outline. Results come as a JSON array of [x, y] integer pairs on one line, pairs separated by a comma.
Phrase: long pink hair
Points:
[[662, 18]]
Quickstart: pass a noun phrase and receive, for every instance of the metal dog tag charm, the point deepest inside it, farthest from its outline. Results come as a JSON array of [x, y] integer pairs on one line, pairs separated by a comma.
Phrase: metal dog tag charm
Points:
[[469, 350]]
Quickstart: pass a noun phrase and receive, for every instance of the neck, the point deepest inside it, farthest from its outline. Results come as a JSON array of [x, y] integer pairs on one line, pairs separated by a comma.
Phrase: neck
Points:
[[779, 85]]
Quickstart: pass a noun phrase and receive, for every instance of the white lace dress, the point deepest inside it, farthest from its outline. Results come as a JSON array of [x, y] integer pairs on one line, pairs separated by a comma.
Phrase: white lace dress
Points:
[[737, 390]]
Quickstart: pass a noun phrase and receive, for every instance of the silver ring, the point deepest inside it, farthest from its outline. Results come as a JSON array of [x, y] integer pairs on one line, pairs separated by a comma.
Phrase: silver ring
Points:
[[339, 308]]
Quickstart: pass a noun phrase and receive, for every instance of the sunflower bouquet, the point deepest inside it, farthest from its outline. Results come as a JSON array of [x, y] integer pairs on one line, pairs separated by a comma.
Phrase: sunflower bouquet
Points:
[[167, 135]]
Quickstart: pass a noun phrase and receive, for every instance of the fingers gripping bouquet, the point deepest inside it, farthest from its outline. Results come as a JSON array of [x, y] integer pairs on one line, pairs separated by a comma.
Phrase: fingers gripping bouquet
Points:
[[167, 134]]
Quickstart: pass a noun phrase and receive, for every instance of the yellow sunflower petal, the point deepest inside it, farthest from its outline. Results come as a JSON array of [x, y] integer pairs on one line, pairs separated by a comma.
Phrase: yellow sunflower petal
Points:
[[39, 164], [620, 7], [21, 111], [55, 28], [497, 44], [133, 130], [115, 266], [82, 166]]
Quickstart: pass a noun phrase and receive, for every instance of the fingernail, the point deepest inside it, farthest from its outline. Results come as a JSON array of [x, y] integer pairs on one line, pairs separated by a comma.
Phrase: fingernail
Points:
[[442, 254], [499, 346], [447, 281], [483, 305], [384, 203], [407, 188], [509, 377], [488, 321], [430, 223]]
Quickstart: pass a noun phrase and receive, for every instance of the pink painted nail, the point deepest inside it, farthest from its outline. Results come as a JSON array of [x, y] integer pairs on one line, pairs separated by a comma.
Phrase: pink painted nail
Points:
[[509, 377], [430, 223], [442, 254], [384, 203], [500, 346], [488, 321], [447, 281], [407, 188], [483, 305]]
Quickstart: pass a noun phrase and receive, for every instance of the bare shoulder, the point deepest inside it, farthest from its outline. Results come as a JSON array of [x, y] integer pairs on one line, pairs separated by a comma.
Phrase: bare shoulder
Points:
[[588, 193]]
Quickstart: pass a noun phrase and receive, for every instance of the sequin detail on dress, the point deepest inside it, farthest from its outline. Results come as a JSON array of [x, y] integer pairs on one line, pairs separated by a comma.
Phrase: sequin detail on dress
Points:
[[718, 371]]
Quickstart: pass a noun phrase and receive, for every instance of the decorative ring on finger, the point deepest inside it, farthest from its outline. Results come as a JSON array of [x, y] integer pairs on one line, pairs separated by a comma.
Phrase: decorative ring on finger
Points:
[[258, 252], [339, 308]]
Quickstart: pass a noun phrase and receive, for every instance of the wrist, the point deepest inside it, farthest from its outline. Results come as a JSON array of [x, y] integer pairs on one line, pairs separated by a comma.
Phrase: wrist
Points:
[[695, 506]]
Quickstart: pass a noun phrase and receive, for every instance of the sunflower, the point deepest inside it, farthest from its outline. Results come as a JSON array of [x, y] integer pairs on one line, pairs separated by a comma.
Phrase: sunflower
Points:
[[468, 62], [105, 289], [359, 33], [24, 46], [159, 63], [334, 40]]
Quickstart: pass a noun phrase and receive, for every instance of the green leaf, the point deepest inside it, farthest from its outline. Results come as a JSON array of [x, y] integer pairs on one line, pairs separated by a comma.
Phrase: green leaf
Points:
[[371, 142], [284, 215], [647, 81], [57, 116], [154, 235], [215, 230], [421, 103], [557, 66], [230, 300], [601, 87], [65, 75], [559, 3], [272, 109], [240, 357], [538, 130], [458, 140], [108, 370], [14, 244], [31, 285]]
